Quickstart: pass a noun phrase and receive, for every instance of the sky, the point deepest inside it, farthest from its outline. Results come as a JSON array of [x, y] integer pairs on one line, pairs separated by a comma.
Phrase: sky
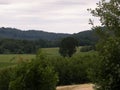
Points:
[[60, 16]]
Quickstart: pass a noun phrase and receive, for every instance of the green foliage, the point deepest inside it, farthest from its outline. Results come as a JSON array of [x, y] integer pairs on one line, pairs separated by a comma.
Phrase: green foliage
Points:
[[108, 71], [5, 78], [45, 39], [34, 75], [14, 33], [108, 12], [86, 38], [105, 70], [110, 64], [72, 70], [68, 46], [12, 46]]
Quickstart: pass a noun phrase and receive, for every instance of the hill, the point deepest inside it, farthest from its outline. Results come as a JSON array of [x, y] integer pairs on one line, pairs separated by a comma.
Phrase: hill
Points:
[[13, 33], [17, 41], [87, 37]]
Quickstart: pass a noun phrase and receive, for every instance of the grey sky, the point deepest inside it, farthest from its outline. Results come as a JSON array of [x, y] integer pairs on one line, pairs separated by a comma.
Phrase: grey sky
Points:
[[63, 16]]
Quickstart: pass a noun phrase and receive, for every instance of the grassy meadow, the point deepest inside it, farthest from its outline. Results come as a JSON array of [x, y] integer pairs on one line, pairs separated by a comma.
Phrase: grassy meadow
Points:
[[64, 68], [12, 59]]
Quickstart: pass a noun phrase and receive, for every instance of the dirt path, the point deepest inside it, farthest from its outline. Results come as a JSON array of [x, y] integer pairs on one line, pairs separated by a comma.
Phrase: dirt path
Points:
[[76, 87]]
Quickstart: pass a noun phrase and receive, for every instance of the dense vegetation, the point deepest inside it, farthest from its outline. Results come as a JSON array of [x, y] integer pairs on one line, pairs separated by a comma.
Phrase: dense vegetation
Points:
[[13, 33], [87, 37], [106, 75], [68, 46], [16, 41], [72, 70], [102, 67], [33, 75], [12, 46]]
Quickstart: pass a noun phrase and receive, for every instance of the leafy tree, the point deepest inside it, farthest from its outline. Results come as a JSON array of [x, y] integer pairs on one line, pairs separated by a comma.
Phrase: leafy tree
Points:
[[108, 75], [34, 75], [5, 78], [109, 14], [68, 46]]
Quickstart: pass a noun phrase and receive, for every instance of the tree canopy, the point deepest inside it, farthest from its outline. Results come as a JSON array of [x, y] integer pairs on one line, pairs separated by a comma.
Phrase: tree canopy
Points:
[[68, 46], [108, 75]]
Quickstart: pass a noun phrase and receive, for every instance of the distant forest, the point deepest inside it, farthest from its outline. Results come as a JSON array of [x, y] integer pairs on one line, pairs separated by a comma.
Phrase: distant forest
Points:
[[18, 41]]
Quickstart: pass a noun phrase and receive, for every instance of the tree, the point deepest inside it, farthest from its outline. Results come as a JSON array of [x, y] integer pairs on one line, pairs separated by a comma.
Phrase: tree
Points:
[[108, 73], [34, 75], [68, 46], [109, 14]]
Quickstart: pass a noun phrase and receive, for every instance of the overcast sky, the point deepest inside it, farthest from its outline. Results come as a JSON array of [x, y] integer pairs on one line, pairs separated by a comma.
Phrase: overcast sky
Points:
[[61, 16]]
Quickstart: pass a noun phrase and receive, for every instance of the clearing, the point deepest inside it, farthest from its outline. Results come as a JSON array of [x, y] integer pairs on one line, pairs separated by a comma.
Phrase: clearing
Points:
[[76, 87]]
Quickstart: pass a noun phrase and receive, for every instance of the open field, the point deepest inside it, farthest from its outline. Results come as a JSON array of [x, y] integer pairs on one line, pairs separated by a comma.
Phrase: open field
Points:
[[11, 59], [76, 87], [51, 51], [7, 60]]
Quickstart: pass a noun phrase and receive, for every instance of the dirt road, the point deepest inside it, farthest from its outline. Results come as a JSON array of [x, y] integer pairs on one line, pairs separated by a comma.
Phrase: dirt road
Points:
[[76, 87]]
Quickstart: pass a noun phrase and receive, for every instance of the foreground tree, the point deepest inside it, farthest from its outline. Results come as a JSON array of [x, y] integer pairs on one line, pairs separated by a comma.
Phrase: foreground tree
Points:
[[108, 73], [34, 75], [68, 46]]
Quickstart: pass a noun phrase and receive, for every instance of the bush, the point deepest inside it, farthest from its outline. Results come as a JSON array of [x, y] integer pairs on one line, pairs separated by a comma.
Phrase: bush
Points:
[[72, 70], [5, 78], [106, 74], [34, 75]]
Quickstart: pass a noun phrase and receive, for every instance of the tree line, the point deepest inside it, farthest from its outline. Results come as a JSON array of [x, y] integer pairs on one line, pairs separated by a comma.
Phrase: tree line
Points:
[[8, 46]]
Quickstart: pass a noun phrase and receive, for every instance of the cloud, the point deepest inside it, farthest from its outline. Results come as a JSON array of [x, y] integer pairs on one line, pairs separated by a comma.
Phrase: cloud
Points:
[[53, 15], [3, 2]]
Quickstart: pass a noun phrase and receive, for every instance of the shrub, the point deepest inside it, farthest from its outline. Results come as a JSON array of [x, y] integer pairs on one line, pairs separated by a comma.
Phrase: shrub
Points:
[[106, 74], [72, 70], [5, 78], [33, 75]]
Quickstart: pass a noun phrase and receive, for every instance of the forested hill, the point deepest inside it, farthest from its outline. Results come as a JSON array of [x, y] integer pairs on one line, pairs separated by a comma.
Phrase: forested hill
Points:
[[87, 37], [13, 33]]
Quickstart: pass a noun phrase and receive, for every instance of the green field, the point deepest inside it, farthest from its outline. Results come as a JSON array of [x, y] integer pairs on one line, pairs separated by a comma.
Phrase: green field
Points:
[[51, 51], [11, 59]]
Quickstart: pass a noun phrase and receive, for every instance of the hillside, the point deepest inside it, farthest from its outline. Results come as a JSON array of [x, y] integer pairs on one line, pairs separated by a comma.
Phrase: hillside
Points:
[[30, 34], [87, 37]]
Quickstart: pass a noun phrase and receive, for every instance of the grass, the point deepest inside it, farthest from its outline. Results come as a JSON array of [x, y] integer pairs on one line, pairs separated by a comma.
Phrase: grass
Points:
[[51, 51], [7, 60], [11, 59]]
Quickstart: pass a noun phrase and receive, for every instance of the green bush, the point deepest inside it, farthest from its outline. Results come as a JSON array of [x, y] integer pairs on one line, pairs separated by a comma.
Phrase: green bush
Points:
[[106, 73], [33, 75], [5, 78], [72, 70]]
